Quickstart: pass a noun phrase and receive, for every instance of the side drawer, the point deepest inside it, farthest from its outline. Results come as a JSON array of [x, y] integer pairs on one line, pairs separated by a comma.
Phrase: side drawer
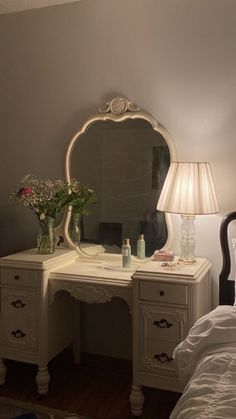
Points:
[[156, 357], [164, 292], [20, 277], [18, 319], [163, 323]]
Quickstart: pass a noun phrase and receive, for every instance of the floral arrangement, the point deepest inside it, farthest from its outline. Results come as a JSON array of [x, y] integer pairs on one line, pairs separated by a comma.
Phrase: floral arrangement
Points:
[[48, 198]]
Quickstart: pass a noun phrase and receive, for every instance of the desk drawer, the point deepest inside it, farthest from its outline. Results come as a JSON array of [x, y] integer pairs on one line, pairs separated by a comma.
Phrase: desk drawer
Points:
[[20, 277], [18, 316], [157, 357], [164, 292], [163, 323]]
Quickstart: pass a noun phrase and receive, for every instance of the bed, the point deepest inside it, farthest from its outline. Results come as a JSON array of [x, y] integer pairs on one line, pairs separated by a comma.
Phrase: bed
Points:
[[206, 359]]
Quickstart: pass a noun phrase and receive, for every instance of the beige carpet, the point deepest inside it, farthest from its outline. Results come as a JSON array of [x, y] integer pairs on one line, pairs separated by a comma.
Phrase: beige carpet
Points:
[[10, 408]]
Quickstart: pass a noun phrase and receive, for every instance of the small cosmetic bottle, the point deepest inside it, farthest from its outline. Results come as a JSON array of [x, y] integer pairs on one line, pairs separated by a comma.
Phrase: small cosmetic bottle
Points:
[[141, 247], [126, 254]]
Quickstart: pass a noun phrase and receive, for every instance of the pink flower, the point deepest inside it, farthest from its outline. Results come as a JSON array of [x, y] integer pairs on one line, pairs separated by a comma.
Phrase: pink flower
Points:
[[25, 191]]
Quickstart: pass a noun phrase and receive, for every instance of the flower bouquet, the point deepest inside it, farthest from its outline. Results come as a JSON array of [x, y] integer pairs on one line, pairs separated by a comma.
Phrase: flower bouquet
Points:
[[47, 199]]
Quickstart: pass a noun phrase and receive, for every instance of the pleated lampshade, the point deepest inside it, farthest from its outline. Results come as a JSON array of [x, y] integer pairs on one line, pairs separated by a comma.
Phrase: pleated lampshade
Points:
[[188, 189]]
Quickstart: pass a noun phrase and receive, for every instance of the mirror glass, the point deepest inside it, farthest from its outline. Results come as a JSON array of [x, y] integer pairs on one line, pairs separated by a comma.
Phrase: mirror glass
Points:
[[125, 160]]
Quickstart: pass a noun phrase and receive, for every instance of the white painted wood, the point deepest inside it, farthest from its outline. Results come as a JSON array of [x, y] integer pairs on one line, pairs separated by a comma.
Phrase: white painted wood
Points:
[[19, 277], [31, 259], [27, 323], [164, 292], [42, 380], [37, 320], [166, 302], [87, 281], [40, 310], [19, 318], [136, 399]]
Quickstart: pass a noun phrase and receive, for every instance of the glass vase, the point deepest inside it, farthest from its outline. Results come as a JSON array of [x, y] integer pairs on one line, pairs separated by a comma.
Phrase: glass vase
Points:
[[46, 238], [74, 229]]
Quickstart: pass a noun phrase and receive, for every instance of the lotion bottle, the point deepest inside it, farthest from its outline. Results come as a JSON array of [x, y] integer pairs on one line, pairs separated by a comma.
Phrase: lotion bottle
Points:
[[126, 254], [141, 247]]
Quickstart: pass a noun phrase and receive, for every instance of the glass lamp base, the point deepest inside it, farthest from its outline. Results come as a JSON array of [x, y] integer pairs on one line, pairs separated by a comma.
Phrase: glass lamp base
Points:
[[187, 241]]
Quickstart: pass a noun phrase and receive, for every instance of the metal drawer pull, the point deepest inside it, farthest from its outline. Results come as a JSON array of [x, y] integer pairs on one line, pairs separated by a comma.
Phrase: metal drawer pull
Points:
[[18, 304], [163, 357], [17, 277], [18, 333], [162, 323], [162, 293]]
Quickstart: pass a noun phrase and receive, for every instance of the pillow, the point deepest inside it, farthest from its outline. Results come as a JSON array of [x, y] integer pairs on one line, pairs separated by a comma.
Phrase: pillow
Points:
[[211, 331]]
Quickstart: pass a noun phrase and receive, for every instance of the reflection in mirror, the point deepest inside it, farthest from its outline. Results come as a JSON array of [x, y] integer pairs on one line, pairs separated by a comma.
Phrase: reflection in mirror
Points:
[[126, 164]]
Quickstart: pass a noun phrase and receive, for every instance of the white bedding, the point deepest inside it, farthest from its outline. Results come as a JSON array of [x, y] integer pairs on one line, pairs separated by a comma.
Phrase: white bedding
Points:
[[207, 364]]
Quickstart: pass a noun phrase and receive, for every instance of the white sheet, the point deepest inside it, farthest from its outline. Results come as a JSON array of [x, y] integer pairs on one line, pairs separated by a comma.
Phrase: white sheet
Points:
[[207, 364], [210, 332], [211, 392]]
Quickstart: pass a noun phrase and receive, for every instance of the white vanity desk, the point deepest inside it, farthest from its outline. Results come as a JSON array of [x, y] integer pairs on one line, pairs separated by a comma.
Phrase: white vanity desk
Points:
[[39, 318]]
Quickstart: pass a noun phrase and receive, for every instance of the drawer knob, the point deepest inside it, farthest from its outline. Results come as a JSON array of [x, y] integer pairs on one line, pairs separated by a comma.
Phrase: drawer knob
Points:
[[18, 333], [17, 277], [162, 293], [18, 304], [163, 357], [162, 323]]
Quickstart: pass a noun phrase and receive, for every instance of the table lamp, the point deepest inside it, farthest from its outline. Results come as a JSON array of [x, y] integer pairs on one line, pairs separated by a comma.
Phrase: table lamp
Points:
[[188, 190]]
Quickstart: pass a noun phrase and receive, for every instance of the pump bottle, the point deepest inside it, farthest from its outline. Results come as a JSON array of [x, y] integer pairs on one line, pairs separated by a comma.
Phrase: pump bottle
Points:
[[141, 247], [126, 254]]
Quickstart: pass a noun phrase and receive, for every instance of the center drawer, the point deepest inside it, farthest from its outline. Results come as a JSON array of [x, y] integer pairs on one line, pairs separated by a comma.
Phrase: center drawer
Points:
[[164, 292]]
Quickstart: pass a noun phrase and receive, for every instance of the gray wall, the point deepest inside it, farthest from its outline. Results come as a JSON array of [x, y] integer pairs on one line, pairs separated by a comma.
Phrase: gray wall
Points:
[[175, 58]]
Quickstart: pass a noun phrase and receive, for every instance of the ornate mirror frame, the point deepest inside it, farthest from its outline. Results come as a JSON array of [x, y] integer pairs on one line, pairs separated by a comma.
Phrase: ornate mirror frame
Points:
[[118, 109]]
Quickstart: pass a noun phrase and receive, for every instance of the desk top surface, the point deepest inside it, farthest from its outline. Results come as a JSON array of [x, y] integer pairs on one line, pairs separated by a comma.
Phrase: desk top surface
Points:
[[94, 270]]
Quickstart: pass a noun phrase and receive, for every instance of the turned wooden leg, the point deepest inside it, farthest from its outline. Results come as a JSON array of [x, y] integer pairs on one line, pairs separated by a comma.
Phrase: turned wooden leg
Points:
[[42, 380], [136, 399], [3, 371]]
